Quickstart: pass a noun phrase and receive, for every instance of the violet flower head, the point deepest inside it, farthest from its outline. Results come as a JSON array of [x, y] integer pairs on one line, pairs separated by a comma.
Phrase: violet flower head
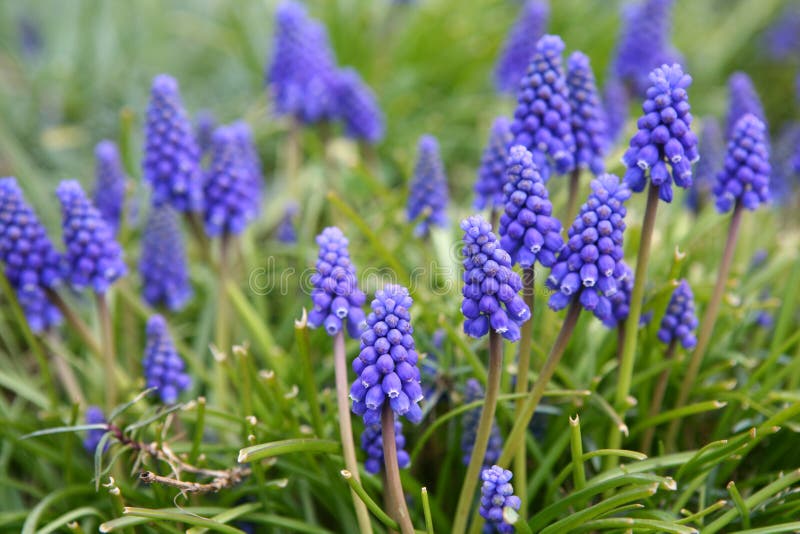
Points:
[[94, 416], [428, 189], [492, 172], [589, 266], [665, 146], [785, 153], [469, 427], [521, 45], [243, 137], [286, 232], [163, 366], [491, 288], [163, 266], [93, 257], [542, 119], [616, 104], [528, 230], [358, 107], [712, 153], [782, 37], [497, 493], [743, 100], [680, 321], [745, 175], [336, 297], [171, 162], [204, 125], [30, 262], [372, 443], [588, 116], [621, 300], [109, 188], [387, 364]]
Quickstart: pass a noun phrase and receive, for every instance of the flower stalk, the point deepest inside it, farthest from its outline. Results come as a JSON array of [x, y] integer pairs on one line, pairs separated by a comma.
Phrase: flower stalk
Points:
[[107, 346], [523, 366], [658, 397], [398, 507]]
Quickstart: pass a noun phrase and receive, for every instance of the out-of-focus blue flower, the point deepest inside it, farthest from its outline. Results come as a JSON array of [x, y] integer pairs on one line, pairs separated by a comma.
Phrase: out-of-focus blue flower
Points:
[[94, 416], [521, 45], [712, 153], [428, 189], [491, 288], [358, 107], [469, 427], [336, 297], [204, 125], [745, 176], [387, 364], [109, 188], [243, 137], [497, 493], [743, 100], [786, 153], [286, 232], [372, 443], [665, 137], [587, 116], [680, 321], [616, 104], [163, 366], [162, 264], [30, 36], [782, 37], [492, 172]]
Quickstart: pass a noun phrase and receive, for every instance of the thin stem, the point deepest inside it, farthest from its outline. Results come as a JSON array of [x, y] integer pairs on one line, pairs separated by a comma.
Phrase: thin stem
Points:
[[576, 448], [620, 340], [523, 366], [107, 344], [494, 217], [75, 322], [222, 335], [199, 233], [293, 156], [482, 435], [658, 397], [572, 199], [709, 318], [346, 428], [399, 509]]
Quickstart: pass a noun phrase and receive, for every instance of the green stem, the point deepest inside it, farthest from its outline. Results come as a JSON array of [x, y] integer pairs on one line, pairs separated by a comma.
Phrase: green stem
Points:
[[394, 487], [482, 435], [293, 157], [107, 344], [572, 199], [199, 428], [301, 337], [523, 366], [576, 447], [658, 397], [222, 336], [75, 322]]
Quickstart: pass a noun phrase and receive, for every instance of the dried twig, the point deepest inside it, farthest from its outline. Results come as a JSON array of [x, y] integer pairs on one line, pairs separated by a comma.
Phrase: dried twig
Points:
[[232, 477]]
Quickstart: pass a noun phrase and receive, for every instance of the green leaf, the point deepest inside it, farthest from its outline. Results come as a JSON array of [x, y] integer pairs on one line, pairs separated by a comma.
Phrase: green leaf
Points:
[[288, 446], [178, 516]]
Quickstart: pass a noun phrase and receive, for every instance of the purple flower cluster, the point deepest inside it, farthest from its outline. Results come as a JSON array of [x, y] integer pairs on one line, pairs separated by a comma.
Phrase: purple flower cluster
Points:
[[162, 263], [491, 288], [497, 493], [782, 37], [372, 443], [589, 266], [587, 114], [358, 107], [528, 230], [93, 257], [171, 157], [204, 125], [664, 137], [616, 104], [286, 232], [743, 100], [336, 297], [109, 188], [745, 176], [621, 299], [94, 416], [492, 172], [469, 425], [163, 366], [521, 45], [680, 321], [387, 364], [784, 155], [712, 152], [428, 189]]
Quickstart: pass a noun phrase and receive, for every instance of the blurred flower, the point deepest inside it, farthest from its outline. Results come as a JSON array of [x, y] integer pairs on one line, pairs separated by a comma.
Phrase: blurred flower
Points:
[[521, 45], [587, 115], [30, 36], [489, 284], [358, 107], [745, 176], [497, 493], [94, 416], [162, 263], [712, 152], [680, 321], [782, 37], [615, 104], [743, 100], [163, 366], [469, 427], [786, 153], [428, 189], [492, 172], [335, 296], [204, 124], [286, 232], [387, 364], [243, 138], [372, 443], [109, 188]]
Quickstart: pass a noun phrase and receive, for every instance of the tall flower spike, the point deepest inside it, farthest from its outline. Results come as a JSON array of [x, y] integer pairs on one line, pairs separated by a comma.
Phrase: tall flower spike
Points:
[[109, 188], [473, 392], [387, 364], [497, 493], [204, 124], [782, 37], [358, 107], [745, 176], [621, 300], [93, 257], [162, 264], [743, 100], [286, 232], [30, 261], [520, 45], [712, 152], [491, 288], [587, 114], [589, 266], [784, 178], [492, 172], [665, 137], [528, 230], [680, 321], [616, 103], [171, 157], [336, 297], [428, 189], [243, 137], [94, 416], [163, 366], [372, 443]]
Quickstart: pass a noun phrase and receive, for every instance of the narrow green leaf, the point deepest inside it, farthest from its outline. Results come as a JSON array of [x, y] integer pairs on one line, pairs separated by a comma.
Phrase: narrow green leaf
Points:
[[603, 507], [131, 521], [64, 429], [288, 446], [70, 516], [179, 516], [227, 516], [372, 506]]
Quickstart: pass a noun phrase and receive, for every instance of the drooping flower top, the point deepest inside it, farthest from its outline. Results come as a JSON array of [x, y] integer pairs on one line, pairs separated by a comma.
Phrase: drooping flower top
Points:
[[469, 427], [587, 114], [615, 104], [679, 322], [372, 443], [171, 162], [109, 188], [428, 189], [204, 125], [336, 297], [491, 288], [665, 137], [163, 366], [528, 230], [93, 258], [492, 172], [521, 45], [588, 267], [358, 107], [712, 153], [745, 176], [94, 416], [387, 364], [497, 493], [542, 119], [162, 264], [743, 99]]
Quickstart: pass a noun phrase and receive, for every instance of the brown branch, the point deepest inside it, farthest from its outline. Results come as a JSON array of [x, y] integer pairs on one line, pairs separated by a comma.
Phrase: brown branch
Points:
[[233, 477]]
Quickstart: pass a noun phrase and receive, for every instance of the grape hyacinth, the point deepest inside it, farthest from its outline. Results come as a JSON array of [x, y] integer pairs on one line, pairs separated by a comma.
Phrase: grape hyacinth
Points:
[[542, 117], [782, 37], [93, 257], [243, 138], [473, 392], [286, 232], [94, 416], [743, 100], [372, 443], [489, 284], [587, 114], [497, 493], [621, 298], [204, 125], [664, 137], [528, 230], [163, 366], [588, 267], [492, 172], [358, 107], [521, 45], [31, 263], [745, 176], [615, 104], [712, 152], [171, 162], [336, 297], [428, 189], [784, 178], [387, 364], [162, 265], [680, 321], [109, 189]]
